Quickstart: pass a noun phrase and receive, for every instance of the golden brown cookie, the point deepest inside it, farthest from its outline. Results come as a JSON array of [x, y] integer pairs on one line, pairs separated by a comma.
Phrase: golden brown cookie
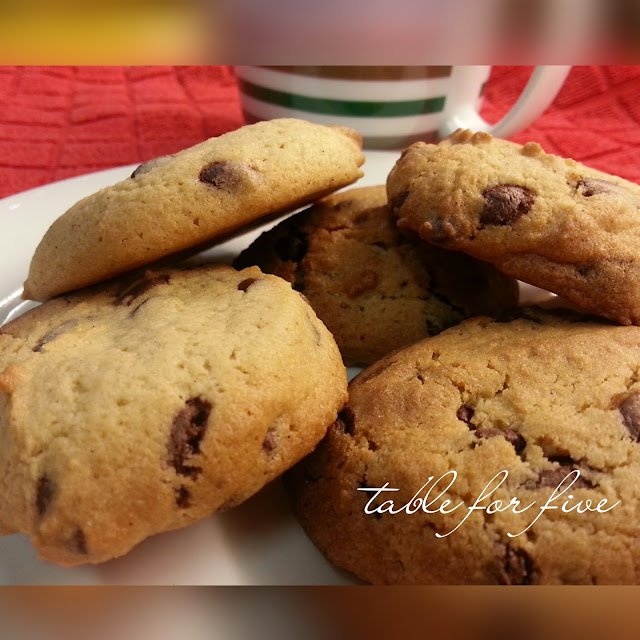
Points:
[[547, 220], [177, 202], [375, 288], [145, 405], [525, 407]]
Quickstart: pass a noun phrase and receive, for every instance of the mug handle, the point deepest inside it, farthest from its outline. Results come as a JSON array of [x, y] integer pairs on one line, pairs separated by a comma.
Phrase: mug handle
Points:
[[542, 88]]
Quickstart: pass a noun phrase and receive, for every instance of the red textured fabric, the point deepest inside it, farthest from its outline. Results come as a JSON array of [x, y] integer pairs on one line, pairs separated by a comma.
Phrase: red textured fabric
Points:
[[57, 122], [594, 119]]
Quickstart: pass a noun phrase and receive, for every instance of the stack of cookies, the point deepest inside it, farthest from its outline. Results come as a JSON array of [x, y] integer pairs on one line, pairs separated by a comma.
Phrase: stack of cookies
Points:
[[137, 400], [504, 450], [484, 443]]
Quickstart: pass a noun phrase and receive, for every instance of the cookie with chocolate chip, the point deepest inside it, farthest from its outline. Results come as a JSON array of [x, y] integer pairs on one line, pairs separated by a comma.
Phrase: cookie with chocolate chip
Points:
[[174, 203], [549, 221], [152, 402], [376, 288], [522, 407]]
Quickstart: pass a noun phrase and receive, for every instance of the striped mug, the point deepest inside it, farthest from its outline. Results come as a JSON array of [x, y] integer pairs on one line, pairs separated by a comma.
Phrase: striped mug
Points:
[[390, 106]]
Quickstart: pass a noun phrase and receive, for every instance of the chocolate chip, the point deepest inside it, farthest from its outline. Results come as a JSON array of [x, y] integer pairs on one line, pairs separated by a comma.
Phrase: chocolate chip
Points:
[[188, 429], [226, 176], [145, 167], [245, 284], [398, 200], [45, 490], [553, 477], [139, 288], [511, 436], [346, 422], [594, 186], [505, 203], [629, 410], [516, 439], [517, 567], [183, 497], [291, 248], [52, 335], [78, 542], [269, 442], [465, 413]]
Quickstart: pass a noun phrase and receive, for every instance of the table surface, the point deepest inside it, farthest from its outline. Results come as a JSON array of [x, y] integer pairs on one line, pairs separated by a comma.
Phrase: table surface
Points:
[[58, 122]]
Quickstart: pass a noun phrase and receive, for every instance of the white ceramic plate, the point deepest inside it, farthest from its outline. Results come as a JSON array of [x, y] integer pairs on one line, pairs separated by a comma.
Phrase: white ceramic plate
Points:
[[256, 543]]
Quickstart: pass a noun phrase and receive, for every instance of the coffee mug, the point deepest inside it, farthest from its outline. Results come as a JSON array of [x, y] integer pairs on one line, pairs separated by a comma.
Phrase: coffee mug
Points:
[[391, 106]]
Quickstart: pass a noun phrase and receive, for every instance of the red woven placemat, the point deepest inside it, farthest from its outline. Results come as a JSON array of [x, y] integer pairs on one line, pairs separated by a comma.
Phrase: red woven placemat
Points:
[[57, 122], [595, 118]]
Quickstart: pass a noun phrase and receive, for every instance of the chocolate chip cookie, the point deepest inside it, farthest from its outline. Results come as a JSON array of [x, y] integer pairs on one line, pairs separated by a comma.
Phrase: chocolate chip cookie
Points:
[[177, 202], [547, 220], [147, 404], [376, 288], [521, 407]]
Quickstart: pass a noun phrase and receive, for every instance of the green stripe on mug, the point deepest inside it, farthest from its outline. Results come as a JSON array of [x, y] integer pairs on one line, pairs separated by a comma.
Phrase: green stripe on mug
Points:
[[365, 74], [343, 107]]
